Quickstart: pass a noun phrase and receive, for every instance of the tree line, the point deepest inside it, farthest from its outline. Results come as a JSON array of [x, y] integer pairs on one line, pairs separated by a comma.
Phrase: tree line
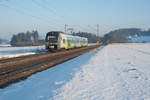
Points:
[[32, 38], [26, 39]]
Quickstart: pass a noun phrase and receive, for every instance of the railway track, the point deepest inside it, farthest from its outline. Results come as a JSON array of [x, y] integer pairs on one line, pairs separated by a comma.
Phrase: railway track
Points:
[[15, 69]]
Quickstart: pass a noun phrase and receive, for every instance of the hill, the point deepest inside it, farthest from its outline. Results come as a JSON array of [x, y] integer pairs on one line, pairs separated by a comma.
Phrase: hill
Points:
[[127, 35]]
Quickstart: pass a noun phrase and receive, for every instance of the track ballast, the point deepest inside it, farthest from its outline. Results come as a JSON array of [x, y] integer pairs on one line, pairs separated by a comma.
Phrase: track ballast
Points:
[[16, 69]]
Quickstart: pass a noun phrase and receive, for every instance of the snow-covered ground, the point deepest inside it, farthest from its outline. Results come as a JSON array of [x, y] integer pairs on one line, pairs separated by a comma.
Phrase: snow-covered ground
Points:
[[140, 39], [40, 86], [115, 72], [8, 52], [5, 45], [118, 72]]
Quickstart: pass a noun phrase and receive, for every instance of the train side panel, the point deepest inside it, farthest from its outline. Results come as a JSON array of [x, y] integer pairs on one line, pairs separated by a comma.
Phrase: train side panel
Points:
[[65, 41]]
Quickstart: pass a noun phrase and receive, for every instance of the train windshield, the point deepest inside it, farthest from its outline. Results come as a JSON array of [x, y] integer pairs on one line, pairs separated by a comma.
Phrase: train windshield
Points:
[[52, 36]]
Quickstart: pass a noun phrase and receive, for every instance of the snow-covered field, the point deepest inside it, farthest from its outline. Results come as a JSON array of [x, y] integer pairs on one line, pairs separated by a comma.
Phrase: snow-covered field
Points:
[[8, 52], [115, 72], [118, 72], [140, 39]]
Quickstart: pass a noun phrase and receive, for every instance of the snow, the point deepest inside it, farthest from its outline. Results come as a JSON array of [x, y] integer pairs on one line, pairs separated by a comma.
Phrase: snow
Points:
[[40, 86], [140, 39], [90, 44], [118, 72], [3, 56], [5, 45], [114, 72], [8, 52]]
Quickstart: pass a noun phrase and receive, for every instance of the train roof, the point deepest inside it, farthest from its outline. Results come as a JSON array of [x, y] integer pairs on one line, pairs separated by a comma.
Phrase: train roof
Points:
[[55, 32], [69, 35]]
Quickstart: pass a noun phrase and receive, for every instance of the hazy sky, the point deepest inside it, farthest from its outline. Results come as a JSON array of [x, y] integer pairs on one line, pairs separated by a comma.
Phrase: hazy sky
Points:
[[82, 15]]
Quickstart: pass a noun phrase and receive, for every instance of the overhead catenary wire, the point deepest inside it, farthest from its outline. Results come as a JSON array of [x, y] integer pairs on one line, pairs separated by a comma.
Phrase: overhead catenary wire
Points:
[[51, 11], [46, 2], [4, 0], [28, 14], [83, 28], [46, 8], [94, 29], [53, 8], [39, 14], [48, 17]]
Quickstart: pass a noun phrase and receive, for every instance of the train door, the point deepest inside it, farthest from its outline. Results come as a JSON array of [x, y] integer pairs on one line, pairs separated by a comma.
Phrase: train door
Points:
[[69, 42], [59, 41]]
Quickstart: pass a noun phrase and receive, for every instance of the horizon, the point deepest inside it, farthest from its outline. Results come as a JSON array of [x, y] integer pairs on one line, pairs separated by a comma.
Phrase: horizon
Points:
[[49, 15], [42, 37]]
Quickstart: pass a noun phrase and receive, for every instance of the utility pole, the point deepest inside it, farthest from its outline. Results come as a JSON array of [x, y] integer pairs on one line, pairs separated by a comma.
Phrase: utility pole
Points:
[[97, 33], [66, 28], [97, 29]]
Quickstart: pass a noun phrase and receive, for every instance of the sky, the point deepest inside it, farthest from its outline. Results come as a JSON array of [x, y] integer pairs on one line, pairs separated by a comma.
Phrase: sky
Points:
[[81, 15]]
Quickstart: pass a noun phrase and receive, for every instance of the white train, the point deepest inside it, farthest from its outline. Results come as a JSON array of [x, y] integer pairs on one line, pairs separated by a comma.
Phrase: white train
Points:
[[58, 40]]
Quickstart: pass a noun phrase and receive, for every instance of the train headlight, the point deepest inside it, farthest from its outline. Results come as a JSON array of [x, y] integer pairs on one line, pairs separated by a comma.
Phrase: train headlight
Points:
[[51, 46]]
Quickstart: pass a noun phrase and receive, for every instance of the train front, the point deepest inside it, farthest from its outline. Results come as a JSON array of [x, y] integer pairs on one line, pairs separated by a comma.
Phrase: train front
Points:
[[52, 40]]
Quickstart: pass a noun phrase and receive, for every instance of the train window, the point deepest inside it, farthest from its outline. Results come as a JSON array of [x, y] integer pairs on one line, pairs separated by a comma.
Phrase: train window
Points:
[[64, 41], [51, 37]]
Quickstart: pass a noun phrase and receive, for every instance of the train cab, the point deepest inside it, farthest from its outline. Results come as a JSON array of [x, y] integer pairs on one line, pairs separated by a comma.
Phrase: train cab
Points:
[[52, 40]]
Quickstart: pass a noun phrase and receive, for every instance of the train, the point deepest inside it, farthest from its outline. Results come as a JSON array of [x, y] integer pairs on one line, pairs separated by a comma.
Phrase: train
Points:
[[56, 40]]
